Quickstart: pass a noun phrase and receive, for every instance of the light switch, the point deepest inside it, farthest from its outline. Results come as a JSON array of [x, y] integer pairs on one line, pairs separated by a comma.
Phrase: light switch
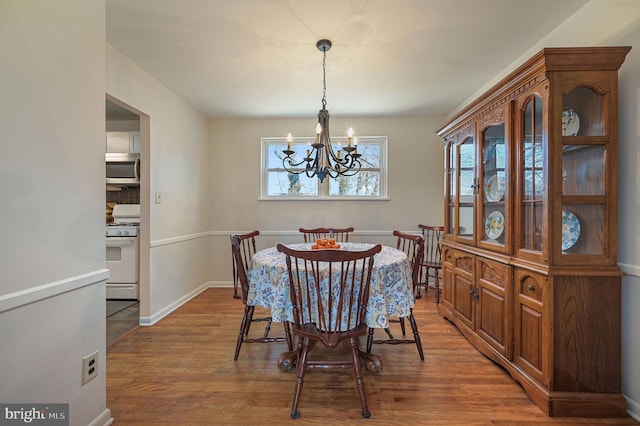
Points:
[[158, 197]]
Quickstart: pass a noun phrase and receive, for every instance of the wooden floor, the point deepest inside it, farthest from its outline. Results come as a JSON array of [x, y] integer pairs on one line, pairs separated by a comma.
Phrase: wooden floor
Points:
[[181, 372]]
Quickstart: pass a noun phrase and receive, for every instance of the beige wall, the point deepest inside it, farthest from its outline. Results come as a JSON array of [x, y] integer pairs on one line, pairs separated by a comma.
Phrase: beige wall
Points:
[[415, 182]]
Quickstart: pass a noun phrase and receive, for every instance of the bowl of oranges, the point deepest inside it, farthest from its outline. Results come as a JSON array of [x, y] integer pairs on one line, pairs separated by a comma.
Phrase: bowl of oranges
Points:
[[325, 243]]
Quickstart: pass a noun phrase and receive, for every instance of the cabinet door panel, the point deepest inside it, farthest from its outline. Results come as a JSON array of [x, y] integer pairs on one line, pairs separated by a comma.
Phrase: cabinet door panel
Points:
[[529, 333], [446, 298], [494, 305], [464, 289], [463, 301]]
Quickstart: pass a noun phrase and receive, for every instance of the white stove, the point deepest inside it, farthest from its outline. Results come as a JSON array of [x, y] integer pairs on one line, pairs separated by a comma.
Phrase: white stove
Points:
[[122, 229], [123, 252]]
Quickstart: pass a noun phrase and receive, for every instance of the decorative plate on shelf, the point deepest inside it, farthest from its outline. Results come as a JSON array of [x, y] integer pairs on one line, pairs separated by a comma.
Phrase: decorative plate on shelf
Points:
[[494, 188], [570, 122], [494, 225], [570, 229]]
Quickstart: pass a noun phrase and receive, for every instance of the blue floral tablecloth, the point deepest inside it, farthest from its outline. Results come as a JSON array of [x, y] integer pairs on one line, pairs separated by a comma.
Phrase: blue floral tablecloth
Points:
[[390, 293]]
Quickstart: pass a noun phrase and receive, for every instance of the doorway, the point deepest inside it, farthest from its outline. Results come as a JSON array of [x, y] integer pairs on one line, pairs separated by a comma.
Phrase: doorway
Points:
[[123, 316]]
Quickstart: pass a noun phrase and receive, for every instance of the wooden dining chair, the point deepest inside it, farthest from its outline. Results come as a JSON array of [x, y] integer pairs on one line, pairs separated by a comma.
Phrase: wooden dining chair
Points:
[[341, 235], [247, 243], [413, 246], [431, 263], [329, 291], [242, 247]]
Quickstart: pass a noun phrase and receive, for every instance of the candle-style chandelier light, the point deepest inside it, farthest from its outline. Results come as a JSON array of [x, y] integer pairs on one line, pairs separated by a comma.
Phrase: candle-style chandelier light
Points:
[[323, 160]]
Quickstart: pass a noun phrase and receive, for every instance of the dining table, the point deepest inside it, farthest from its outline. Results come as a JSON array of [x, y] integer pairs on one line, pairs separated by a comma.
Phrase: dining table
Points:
[[390, 292]]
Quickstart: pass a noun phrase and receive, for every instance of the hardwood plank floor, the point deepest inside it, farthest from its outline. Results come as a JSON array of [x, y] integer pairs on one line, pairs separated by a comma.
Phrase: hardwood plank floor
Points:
[[181, 372]]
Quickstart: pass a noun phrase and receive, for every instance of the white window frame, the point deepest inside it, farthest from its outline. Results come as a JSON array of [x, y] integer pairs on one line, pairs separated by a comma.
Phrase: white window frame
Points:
[[323, 188]]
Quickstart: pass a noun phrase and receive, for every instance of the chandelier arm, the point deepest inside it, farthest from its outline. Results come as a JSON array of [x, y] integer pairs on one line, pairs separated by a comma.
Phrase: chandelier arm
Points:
[[353, 166]]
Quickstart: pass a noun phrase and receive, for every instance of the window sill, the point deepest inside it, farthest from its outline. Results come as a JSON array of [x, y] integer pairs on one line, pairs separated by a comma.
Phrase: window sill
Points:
[[324, 199]]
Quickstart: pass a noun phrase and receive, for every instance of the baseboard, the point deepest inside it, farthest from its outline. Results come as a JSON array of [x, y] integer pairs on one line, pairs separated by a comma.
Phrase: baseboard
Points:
[[633, 408], [148, 321], [104, 419]]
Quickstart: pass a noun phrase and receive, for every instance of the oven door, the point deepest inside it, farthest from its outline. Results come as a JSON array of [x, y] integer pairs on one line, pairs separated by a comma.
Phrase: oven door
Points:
[[122, 260]]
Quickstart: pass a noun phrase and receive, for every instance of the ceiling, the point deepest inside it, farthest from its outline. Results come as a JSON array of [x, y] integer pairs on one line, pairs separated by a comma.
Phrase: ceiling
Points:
[[258, 58]]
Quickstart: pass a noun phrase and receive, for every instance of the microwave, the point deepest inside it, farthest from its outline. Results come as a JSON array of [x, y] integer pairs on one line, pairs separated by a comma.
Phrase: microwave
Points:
[[122, 168]]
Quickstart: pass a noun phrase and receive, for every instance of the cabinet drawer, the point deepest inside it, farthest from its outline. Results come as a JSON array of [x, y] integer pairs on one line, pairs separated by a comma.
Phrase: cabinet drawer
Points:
[[531, 288], [464, 263], [447, 256]]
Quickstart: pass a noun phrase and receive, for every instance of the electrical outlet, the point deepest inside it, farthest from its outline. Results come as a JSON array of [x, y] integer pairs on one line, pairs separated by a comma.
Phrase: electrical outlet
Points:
[[89, 367]]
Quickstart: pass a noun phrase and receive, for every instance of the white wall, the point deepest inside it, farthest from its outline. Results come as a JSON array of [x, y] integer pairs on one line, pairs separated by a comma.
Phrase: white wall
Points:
[[415, 182], [176, 155], [52, 310], [629, 228]]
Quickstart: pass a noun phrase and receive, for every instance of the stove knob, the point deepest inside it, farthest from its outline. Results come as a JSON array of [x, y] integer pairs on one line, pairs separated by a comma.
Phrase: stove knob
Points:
[[119, 232]]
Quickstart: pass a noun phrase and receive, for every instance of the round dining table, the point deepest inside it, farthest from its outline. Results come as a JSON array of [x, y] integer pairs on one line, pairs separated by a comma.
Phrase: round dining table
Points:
[[390, 293]]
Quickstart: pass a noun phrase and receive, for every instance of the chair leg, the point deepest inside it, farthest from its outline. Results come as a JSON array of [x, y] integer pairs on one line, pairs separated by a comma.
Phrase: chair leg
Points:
[[416, 335], [402, 326], [353, 344], [287, 335], [267, 328], [437, 287], [370, 340], [244, 328], [300, 372]]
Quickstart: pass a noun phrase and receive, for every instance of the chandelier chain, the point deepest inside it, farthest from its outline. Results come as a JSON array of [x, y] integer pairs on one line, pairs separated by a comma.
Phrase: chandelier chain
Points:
[[324, 80]]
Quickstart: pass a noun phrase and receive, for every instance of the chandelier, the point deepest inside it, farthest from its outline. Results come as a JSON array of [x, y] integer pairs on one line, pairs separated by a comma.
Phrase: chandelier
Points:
[[322, 159]]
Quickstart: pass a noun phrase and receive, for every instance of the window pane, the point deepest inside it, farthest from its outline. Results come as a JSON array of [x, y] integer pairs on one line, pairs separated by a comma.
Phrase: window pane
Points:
[[283, 183], [364, 183], [370, 154]]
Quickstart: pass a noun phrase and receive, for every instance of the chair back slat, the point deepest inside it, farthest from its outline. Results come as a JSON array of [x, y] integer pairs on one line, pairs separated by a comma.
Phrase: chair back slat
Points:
[[329, 291], [339, 234]]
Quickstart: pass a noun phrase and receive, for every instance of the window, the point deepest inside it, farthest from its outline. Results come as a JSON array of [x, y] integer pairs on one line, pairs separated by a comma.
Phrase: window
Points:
[[368, 183]]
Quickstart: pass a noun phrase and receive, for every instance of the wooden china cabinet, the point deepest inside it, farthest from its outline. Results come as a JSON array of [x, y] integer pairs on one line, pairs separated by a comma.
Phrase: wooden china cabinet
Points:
[[530, 247]]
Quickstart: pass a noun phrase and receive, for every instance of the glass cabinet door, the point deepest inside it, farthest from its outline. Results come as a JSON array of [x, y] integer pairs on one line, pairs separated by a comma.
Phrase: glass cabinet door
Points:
[[585, 159], [532, 166], [467, 185], [494, 185], [451, 185]]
